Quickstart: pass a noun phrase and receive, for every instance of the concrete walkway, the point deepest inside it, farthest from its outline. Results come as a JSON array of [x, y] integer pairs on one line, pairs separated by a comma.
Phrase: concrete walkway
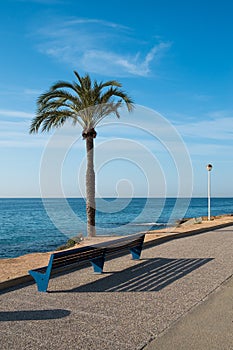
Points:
[[209, 326], [173, 295]]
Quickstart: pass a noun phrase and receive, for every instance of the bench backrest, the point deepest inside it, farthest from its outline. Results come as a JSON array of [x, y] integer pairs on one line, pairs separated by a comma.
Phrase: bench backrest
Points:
[[76, 255], [124, 243], [72, 256], [69, 257]]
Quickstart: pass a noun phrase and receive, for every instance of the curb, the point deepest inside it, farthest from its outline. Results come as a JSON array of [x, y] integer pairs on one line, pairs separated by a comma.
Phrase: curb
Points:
[[178, 235], [18, 281], [4, 286]]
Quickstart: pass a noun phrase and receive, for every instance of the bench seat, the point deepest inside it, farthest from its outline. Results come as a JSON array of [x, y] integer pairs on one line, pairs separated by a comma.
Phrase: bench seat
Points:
[[95, 254]]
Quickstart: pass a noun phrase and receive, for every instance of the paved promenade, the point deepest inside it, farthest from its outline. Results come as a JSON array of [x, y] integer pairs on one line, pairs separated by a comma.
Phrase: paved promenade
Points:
[[155, 303], [209, 326]]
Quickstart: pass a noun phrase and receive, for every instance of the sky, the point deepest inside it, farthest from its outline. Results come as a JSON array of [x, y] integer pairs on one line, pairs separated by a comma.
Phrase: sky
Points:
[[174, 58]]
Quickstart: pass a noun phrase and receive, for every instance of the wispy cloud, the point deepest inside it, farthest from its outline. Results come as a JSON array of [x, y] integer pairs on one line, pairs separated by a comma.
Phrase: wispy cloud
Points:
[[14, 130], [16, 134], [15, 114], [100, 22], [19, 93], [215, 125], [99, 46], [32, 92]]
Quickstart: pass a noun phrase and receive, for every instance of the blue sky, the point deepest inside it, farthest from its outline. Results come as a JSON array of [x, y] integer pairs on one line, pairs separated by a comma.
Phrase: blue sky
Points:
[[172, 57]]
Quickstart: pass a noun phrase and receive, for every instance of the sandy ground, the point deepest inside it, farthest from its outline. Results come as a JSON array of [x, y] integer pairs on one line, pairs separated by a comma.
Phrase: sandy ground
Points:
[[17, 267]]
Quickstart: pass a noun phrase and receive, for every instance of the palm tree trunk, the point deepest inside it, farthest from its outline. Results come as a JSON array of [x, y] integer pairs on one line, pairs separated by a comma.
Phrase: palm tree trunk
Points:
[[90, 187]]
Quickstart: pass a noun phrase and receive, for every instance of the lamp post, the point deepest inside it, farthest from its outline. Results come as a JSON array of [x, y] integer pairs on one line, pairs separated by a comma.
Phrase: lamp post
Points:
[[209, 168]]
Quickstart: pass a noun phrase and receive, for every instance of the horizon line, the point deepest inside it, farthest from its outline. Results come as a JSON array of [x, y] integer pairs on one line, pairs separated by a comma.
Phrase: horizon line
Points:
[[111, 197]]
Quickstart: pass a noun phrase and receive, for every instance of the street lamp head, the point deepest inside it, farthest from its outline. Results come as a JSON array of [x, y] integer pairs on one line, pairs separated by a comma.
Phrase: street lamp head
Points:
[[209, 167]]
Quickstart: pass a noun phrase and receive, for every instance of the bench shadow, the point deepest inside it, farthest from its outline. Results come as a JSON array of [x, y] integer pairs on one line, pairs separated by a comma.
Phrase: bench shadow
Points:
[[151, 275], [29, 315]]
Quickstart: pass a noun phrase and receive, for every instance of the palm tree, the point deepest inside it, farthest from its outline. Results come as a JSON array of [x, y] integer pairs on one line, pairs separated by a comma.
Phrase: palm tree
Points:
[[85, 102]]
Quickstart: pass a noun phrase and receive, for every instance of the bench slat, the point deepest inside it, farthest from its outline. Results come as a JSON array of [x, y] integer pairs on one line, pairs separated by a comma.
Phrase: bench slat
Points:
[[71, 259], [95, 254]]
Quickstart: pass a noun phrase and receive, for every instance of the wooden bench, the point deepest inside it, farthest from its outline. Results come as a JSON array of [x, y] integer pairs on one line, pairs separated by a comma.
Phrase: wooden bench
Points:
[[95, 254]]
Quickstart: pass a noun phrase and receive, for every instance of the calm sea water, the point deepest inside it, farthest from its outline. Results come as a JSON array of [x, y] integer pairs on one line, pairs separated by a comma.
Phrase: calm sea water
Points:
[[33, 225]]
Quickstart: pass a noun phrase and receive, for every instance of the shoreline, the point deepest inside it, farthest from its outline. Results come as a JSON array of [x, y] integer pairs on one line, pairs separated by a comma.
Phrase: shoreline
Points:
[[17, 268]]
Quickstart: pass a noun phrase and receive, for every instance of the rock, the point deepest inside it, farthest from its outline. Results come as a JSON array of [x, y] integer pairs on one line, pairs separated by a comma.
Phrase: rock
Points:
[[72, 242], [79, 238], [192, 221]]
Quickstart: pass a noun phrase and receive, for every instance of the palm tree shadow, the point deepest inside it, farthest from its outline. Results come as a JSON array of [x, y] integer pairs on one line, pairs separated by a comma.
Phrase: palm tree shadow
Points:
[[29, 315], [147, 276]]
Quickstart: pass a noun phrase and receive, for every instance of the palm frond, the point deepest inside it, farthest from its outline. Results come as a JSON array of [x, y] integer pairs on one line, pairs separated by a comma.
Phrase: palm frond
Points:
[[85, 102], [50, 119], [110, 83], [56, 94]]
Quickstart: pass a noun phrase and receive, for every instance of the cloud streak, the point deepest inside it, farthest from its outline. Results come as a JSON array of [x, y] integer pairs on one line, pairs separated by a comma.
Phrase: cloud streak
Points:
[[100, 47], [15, 134], [212, 129], [15, 114], [95, 21], [212, 135]]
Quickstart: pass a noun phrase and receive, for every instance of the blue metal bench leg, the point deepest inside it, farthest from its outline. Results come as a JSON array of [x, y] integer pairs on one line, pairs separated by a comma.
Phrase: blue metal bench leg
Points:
[[98, 264], [42, 280], [136, 252]]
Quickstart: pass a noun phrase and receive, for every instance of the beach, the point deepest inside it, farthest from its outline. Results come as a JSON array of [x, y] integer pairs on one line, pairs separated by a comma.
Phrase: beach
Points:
[[14, 268]]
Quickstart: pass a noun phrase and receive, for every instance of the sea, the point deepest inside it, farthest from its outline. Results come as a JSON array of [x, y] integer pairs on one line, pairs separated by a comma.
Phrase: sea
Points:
[[29, 225]]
